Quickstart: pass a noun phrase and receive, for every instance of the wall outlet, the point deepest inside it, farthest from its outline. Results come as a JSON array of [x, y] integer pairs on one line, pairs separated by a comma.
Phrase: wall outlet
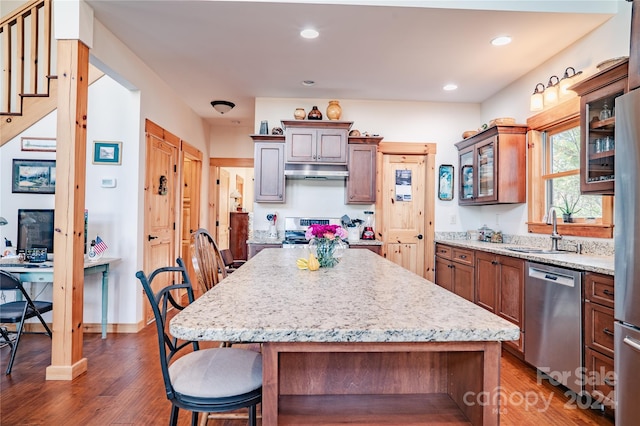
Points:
[[452, 219]]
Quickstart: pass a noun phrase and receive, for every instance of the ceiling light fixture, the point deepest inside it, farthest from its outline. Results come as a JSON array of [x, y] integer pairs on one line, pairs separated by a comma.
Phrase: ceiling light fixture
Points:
[[449, 87], [501, 41], [568, 80], [551, 91], [308, 83], [537, 102], [309, 33], [222, 106]]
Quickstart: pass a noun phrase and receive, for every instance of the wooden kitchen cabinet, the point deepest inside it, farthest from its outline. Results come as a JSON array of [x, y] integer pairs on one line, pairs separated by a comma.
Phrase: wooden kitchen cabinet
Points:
[[316, 141], [634, 49], [254, 248], [597, 130], [598, 337], [374, 248], [238, 234], [492, 166], [455, 270], [268, 160], [361, 182], [500, 289]]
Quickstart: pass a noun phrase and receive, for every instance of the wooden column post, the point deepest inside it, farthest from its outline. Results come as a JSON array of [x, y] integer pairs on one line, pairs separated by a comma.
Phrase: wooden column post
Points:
[[68, 273]]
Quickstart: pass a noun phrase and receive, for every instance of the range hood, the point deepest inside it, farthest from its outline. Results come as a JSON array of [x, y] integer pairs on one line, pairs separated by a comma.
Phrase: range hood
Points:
[[315, 171]]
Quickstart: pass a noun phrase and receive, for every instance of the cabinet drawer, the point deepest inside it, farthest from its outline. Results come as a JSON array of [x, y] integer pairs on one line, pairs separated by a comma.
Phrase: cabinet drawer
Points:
[[463, 256], [598, 288], [600, 379], [598, 326], [443, 251]]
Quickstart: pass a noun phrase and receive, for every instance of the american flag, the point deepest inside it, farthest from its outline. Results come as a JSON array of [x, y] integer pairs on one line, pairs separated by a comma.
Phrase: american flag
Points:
[[100, 245]]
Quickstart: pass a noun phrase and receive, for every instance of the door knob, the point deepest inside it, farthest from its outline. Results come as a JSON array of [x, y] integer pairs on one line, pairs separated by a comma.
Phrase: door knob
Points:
[[151, 237], [419, 236]]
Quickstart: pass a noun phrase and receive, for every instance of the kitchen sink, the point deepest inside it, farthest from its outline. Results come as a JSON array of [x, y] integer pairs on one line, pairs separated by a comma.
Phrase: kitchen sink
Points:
[[534, 250]]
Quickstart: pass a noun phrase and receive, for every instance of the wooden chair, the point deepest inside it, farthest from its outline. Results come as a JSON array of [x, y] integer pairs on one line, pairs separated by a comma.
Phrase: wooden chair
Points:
[[230, 263], [207, 260], [204, 380]]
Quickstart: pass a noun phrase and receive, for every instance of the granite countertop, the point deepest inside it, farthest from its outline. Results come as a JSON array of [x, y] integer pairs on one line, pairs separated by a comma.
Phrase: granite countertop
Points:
[[582, 262], [365, 298]]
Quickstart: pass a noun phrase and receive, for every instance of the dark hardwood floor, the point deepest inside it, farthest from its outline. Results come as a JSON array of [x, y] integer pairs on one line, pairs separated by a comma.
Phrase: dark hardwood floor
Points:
[[124, 387]]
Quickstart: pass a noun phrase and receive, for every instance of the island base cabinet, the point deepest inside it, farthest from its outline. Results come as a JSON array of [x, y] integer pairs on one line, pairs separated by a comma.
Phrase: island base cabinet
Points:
[[381, 383]]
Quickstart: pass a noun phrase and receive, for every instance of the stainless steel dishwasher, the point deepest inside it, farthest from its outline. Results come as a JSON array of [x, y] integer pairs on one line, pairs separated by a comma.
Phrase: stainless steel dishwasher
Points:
[[553, 323]]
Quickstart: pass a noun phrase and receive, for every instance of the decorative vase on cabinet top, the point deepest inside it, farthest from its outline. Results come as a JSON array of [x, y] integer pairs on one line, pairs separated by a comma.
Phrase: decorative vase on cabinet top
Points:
[[334, 110], [299, 114], [315, 114]]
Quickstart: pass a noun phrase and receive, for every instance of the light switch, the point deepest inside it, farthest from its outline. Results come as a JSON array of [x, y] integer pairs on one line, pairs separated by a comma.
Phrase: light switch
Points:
[[108, 182]]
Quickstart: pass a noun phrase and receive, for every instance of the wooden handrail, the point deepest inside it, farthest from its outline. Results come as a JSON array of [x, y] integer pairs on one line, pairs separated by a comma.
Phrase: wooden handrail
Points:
[[15, 81]]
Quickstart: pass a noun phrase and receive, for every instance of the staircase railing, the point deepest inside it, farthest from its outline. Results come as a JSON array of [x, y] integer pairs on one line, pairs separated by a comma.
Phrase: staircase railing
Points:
[[25, 35]]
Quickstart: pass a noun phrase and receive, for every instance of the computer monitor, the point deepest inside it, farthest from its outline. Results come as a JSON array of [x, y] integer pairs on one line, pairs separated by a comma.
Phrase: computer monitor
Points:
[[35, 229]]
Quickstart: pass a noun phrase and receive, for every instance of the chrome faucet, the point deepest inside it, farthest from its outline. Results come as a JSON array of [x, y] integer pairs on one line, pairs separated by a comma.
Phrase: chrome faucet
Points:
[[552, 219]]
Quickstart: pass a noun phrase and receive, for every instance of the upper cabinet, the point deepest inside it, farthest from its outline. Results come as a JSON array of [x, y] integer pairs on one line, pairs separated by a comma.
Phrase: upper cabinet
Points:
[[308, 141], [268, 168], [634, 49], [361, 182], [597, 135], [492, 166]]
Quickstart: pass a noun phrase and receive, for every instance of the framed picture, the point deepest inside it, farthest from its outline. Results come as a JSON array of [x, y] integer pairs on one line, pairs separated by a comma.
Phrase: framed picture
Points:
[[38, 144], [107, 152], [445, 182], [34, 176]]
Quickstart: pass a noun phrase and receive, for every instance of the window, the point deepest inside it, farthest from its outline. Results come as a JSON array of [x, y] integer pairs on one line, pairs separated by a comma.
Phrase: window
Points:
[[554, 176]]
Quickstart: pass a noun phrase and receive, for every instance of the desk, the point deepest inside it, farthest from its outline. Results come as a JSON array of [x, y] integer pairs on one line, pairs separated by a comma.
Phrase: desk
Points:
[[365, 340], [44, 274]]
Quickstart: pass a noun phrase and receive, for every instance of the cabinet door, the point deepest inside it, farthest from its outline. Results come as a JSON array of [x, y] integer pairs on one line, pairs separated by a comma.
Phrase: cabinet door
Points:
[[463, 280], [361, 183], [467, 183], [486, 170], [269, 172], [444, 275], [238, 234], [331, 146], [511, 289], [486, 278], [301, 145]]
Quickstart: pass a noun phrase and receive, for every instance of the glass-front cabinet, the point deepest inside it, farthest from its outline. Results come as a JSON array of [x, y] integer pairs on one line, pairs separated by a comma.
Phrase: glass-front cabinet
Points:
[[598, 122], [492, 165]]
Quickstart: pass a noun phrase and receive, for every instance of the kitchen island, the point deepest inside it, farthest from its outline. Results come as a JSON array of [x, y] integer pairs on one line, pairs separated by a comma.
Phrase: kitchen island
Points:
[[366, 342]]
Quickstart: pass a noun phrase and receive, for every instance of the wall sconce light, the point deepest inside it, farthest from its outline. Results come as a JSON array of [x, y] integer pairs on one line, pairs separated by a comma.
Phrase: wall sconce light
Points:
[[222, 106], [537, 102], [568, 80], [3, 221], [551, 91]]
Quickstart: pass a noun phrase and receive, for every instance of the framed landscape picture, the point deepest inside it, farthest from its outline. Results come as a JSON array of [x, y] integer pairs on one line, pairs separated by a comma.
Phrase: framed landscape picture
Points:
[[107, 152], [34, 176]]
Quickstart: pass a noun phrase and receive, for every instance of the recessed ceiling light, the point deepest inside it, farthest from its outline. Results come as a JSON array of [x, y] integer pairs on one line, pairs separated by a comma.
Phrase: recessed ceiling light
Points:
[[309, 33], [449, 87], [308, 82], [501, 41]]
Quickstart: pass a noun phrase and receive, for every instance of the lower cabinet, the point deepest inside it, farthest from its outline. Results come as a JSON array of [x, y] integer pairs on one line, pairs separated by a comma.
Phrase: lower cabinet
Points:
[[455, 271], [376, 249], [254, 249], [598, 338], [500, 289]]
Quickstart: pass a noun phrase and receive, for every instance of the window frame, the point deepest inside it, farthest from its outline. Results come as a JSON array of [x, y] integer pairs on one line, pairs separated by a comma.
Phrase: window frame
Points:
[[565, 115]]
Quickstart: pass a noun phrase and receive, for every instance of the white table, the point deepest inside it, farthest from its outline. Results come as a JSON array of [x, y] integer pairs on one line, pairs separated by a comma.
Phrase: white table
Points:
[[43, 273], [367, 333]]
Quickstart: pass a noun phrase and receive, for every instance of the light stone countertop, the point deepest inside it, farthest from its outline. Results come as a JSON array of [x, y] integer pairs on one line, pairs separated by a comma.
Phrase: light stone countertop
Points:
[[581, 262], [365, 298]]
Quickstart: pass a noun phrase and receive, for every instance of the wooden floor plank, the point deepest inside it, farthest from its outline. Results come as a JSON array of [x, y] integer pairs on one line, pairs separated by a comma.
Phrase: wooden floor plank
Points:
[[123, 386]]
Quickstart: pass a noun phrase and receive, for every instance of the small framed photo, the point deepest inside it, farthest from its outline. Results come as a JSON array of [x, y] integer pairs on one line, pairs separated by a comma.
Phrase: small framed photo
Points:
[[38, 144], [107, 152], [445, 182], [34, 176]]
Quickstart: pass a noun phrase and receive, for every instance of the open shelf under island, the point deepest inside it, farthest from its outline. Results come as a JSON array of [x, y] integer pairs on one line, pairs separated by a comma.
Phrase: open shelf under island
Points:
[[366, 342]]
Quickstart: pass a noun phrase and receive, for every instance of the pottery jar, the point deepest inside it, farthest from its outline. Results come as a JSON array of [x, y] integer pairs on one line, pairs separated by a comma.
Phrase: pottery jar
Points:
[[334, 110], [299, 114], [314, 114]]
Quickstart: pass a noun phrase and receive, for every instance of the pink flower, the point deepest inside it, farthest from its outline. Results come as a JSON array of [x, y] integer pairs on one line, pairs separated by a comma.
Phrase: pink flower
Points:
[[329, 232]]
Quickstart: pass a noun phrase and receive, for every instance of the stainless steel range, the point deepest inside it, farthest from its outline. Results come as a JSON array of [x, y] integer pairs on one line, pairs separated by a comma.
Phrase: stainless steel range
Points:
[[295, 228]]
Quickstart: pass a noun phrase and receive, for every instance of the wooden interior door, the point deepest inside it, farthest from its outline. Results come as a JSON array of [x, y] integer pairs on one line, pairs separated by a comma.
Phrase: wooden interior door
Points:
[[160, 204], [191, 172], [403, 210], [223, 212]]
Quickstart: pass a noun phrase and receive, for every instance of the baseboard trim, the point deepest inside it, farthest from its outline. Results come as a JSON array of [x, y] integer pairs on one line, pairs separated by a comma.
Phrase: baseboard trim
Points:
[[86, 328]]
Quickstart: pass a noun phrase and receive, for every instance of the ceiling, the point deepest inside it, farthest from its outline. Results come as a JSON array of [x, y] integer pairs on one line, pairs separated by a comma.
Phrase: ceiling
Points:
[[240, 50]]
